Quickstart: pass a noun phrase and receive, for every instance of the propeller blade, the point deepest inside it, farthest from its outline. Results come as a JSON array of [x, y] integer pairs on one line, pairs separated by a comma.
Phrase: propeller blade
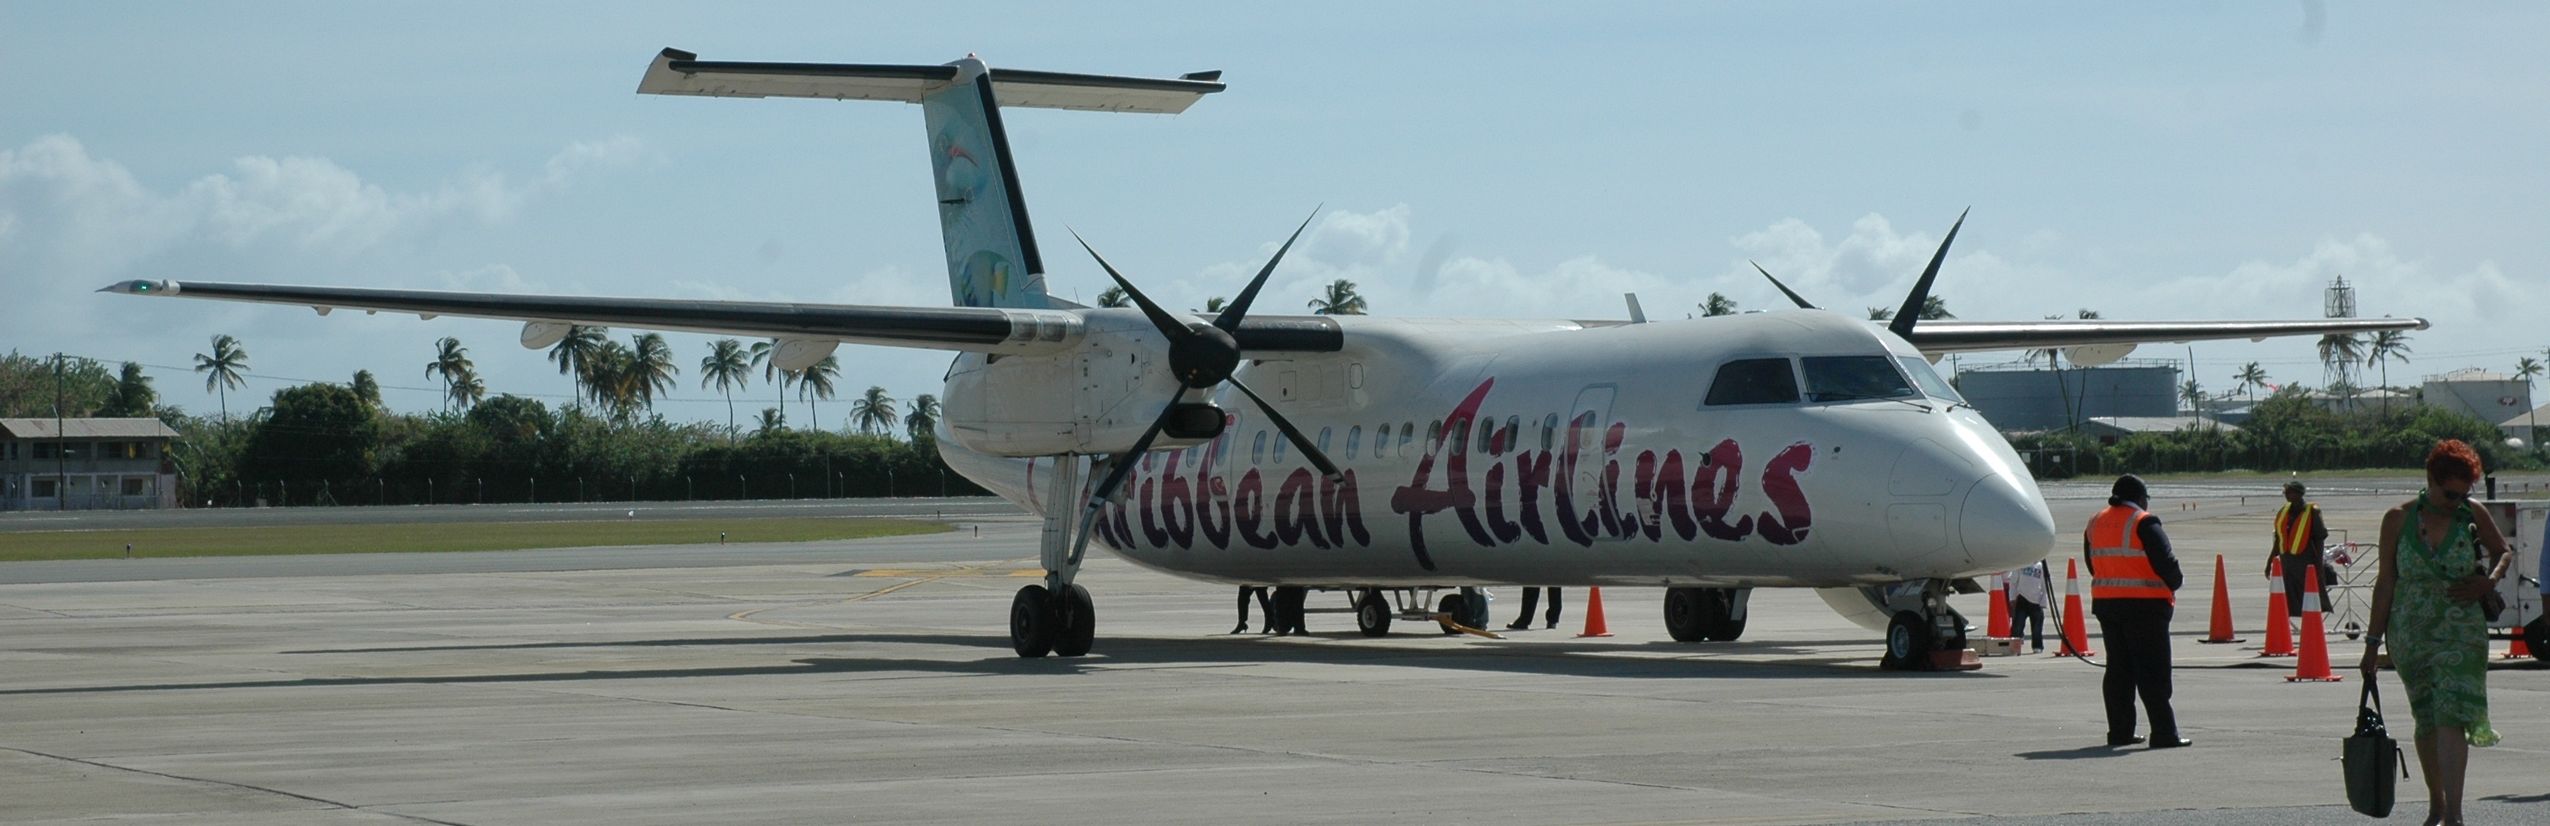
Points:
[[1794, 298], [1122, 465], [1169, 325], [1904, 318], [1317, 459], [1229, 320]]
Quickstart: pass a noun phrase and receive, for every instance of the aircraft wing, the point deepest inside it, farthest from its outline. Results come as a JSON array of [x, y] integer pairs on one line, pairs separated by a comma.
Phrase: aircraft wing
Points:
[[1952, 336]]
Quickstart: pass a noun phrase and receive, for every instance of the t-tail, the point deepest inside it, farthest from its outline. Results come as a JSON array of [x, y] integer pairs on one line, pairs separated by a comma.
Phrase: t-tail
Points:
[[992, 259]]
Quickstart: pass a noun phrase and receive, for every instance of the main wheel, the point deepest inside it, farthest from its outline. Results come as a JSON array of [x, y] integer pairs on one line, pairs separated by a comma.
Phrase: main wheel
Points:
[[1687, 614], [1909, 641], [1455, 606], [1078, 625], [1372, 613], [2536, 634], [1723, 626], [1032, 623]]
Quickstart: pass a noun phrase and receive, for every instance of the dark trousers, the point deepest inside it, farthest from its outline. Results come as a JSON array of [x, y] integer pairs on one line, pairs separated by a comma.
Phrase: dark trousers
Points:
[[1532, 597], [1290, 602], [2137, 643], [2293, 571], [2030, 616], [1263, 606]]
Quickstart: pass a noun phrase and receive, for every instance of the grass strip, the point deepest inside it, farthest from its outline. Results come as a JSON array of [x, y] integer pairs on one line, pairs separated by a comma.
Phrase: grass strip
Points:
[[439, 536]]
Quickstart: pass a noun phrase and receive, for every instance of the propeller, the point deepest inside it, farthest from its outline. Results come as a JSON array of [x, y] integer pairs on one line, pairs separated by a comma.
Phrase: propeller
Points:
[[1201, 356], [1902, 324], [1794, 298]]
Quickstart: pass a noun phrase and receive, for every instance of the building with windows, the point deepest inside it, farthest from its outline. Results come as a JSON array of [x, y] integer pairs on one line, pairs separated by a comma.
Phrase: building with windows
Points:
[[86, 464]]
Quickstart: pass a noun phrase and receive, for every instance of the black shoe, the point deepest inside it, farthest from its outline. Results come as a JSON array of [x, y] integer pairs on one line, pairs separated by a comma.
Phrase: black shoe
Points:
[[2130, 740], [1266, 630], [1523, 625], [1242, 629], [2172, 743], [1553, 624]]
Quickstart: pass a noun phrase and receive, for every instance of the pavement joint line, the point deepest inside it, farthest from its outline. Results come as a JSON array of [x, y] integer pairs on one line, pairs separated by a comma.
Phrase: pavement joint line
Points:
[[232, 784]]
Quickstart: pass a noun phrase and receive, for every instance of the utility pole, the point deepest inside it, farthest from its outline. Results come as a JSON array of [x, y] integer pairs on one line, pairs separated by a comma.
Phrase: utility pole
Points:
[[61, 444]]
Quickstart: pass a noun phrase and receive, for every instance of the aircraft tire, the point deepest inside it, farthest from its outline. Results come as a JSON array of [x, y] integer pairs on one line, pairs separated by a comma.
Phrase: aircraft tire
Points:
[[1078, 626], [1032, 622], [2537, 636], [1372, 613], [1687, 615], [1723, 626], [1908, 643], [1454, 606]]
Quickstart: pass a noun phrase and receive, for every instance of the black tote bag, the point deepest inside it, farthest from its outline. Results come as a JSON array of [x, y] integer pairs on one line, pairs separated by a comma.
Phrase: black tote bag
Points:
[[2370, 756]]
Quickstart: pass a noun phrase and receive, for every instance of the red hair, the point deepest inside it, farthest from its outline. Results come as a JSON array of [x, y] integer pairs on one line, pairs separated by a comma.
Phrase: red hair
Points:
[[2452, 459]]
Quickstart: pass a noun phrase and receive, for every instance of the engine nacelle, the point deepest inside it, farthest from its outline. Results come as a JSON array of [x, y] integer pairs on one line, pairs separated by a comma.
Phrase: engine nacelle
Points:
[[1097, 398]]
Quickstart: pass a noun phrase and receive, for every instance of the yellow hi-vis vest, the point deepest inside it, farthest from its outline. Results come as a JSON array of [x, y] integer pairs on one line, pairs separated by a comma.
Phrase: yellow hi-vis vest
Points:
[[2293, 528], [2119, 567]]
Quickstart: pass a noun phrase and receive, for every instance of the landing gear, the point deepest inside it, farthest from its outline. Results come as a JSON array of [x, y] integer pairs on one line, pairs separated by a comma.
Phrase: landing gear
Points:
[[1032, 622], [1715, 614], [1468, 608], [1922, 626], [1056, 617], [2536, 635], [1372, 613]]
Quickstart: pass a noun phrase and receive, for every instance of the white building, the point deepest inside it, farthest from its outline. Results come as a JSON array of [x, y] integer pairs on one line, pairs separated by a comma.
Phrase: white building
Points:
[[88, 464]]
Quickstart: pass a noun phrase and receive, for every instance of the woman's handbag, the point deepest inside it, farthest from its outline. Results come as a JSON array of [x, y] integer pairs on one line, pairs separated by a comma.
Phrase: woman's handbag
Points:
[[2369, 757]]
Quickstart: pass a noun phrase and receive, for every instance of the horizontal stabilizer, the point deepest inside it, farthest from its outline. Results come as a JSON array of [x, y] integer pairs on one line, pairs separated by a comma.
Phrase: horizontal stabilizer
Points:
[[677, 72]]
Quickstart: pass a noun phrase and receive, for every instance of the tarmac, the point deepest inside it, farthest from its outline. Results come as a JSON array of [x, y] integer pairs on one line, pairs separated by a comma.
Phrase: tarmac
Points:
[[871, 681]]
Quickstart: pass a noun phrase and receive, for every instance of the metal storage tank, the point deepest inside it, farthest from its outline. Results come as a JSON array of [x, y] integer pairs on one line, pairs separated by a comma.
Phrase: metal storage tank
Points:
[[2021, 397], [2486, 396]]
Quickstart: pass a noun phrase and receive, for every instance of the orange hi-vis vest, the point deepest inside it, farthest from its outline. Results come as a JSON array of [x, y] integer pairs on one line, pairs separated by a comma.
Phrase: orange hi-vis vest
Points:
[[2293, 528], [2119, 567]]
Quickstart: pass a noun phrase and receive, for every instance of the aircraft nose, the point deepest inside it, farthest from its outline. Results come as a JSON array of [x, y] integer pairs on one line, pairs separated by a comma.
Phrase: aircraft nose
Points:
[[2005, 524]]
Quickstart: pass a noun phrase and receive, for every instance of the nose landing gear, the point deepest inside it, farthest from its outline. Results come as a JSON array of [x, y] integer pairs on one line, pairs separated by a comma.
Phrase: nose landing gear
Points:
[[1925, 634]]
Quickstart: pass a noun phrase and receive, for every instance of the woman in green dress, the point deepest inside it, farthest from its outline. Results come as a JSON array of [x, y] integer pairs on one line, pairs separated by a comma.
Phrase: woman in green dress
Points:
[[2431, 583]]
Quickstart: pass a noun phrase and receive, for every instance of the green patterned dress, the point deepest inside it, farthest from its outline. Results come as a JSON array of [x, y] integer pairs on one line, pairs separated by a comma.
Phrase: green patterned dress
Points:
[[2438, 644]]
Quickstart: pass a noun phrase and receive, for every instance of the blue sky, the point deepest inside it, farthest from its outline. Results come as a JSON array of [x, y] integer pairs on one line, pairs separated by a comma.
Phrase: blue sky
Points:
[[2175, 161]]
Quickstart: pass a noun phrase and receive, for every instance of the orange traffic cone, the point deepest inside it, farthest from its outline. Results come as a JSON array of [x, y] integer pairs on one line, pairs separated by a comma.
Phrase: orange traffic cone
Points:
[[1594, 626], [2518, 649], [2279, 629], [2313, 667], [2222, 607], [2076, 628], [1999, 623]]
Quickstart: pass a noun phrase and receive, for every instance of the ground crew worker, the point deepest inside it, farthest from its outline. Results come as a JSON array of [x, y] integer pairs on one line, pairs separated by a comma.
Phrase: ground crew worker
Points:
[[2134, 582], [2299, 538], [1532, 597], [2029, 592]]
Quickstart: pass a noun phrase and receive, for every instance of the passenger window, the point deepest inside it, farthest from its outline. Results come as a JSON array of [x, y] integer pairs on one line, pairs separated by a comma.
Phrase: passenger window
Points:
[[1407, 435], [1549, 431], [1847, 378], [1487, 434], [1928, 377], [1754, 381], [1281, 444], [1354, 435], [1257, 450], [1323, 440], [1513, 431], [1434, 436], [1381, 441]]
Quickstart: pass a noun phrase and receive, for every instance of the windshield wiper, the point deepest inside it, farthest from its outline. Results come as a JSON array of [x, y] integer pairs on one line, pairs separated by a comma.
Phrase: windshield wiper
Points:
[[1854, 397]]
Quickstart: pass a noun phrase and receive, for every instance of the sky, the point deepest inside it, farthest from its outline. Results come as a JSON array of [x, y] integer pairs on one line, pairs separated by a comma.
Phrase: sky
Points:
[[2167, 161]]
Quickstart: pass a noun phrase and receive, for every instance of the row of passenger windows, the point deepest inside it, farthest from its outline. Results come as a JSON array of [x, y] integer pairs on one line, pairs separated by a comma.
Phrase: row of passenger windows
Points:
[[1387, 442]]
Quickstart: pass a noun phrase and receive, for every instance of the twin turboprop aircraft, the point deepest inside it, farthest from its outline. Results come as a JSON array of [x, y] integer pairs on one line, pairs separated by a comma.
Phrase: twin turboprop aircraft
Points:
[[1389, 457]]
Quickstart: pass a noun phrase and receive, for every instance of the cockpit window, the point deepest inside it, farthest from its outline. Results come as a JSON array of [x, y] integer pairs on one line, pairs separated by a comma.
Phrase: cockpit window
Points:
[[1928, 377], [1847, 378], [1753, 381]]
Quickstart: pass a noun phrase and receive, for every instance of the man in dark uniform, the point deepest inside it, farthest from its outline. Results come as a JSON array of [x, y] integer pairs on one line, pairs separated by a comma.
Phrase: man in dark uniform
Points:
[[1531, 597], [2299, 536], [2134, 583]]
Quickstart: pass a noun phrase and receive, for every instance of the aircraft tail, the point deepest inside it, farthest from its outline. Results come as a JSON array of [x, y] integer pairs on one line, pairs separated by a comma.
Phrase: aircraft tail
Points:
[[992, 259]]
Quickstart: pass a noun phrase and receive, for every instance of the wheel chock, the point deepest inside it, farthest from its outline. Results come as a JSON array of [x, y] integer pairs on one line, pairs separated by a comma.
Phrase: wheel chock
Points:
[[1959, 660]]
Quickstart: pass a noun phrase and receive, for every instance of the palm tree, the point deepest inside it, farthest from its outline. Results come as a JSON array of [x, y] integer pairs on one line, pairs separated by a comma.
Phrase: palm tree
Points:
[[2527, 369], [924, 418], [1215, 304], [1114, 297], [574, 354], [2338, 354], [873, 412], [451, 361], [367, 388], [766, 357], [2194, 395], [610, 379], [1718, 304], [772, 421], [651, 369], [1339, 298], [2251, 377], [133, 395], [1934, 308], [816, 383], [1881, 313], [466, 390], [222, 367], [728, 367], [2387, 346]]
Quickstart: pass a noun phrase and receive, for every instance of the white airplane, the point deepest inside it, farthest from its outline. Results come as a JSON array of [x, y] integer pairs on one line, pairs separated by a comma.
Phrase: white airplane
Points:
[[1796, 448]]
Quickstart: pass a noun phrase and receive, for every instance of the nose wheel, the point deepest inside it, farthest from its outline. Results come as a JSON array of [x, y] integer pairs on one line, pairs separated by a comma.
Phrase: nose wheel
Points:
[[1925, 634], [1040, 624]]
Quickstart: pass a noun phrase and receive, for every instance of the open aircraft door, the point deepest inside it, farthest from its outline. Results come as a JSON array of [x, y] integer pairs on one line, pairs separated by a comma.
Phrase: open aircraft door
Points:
[[2526, 526]]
